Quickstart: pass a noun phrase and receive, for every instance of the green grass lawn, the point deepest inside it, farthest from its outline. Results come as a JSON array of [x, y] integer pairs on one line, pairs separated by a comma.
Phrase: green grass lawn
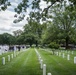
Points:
[[58, 65], [26, 63]]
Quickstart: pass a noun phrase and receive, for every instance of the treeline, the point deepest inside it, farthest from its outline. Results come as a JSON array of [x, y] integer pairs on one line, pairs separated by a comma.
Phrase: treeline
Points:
[[47, 34], [53, 26]]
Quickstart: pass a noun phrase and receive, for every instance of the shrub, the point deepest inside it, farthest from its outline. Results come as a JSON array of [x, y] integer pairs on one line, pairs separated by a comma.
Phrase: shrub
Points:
[[54, 45]]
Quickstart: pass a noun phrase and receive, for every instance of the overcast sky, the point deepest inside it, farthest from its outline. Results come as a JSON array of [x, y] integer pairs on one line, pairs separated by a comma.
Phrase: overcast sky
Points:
[[7, 18]]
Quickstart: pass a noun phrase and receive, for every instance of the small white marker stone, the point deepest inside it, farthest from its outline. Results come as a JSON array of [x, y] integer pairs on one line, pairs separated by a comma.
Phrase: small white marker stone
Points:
[[3, 60], [49, 74], [41, 63], [8, 57], [59, 53], [74, 60], [44, 69], [12, 56], [63, 55], [68, 57], [40, 59]]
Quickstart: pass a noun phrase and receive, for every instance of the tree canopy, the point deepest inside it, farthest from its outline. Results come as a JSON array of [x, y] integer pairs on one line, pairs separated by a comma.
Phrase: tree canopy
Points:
[[54, 23]]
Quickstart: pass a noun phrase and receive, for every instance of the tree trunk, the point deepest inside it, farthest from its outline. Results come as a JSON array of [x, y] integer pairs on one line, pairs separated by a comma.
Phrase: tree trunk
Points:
[[67, 42], [36, 44], [30, 44]]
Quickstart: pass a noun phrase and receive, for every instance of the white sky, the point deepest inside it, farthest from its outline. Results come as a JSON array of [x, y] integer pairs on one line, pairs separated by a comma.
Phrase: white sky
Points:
[[7, 18]]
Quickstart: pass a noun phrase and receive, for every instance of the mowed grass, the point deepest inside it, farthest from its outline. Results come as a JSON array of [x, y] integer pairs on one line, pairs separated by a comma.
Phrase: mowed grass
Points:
[[6, 57], [58, 65], [26, 63]]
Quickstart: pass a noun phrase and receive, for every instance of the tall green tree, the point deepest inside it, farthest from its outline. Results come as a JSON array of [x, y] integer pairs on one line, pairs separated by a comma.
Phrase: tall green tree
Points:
[[19, 38], [6, 38], [17, 32], [65, 22], [32, 32], [63, 26]]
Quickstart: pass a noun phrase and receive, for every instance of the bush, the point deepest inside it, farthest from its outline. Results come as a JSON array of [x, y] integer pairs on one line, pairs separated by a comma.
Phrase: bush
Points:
[[54, 45]]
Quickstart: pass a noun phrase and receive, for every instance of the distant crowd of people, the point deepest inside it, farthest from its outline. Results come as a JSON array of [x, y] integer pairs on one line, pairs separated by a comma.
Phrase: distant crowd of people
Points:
[[11, 48]]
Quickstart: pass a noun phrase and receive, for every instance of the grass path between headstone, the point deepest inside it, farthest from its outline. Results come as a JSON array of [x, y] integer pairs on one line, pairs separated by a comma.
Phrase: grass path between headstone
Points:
[[26, 63], [57, 65]]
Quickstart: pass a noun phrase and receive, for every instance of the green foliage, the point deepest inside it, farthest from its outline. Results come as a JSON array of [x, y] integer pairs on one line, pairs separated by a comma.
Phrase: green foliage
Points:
[[35, 4], [19, 37], [17, 32], [62, 23], [30, 39], [32, 32], [50, 34], [20, 40], [63, 26], [7, 39], [4, 4], [54, 45]]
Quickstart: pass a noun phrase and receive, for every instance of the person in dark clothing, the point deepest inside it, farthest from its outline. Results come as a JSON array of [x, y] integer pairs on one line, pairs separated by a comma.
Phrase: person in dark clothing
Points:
[[19, 48]]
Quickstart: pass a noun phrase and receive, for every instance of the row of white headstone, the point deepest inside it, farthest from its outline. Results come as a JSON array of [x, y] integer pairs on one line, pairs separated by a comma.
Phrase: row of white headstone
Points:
[[68, 56], [9, 57], [67, 52], [12, 56], [63, 55], [42, 66]]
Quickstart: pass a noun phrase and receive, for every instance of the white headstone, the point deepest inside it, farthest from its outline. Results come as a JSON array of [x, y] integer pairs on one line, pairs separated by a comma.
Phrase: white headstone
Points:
[[3, 60], [68, 57], [74, 60], [59, 53], [44, 69], [12, 56], [8, 57], [49, 74], [41, 63], [14, 53], [63, 55], [40, 59]]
